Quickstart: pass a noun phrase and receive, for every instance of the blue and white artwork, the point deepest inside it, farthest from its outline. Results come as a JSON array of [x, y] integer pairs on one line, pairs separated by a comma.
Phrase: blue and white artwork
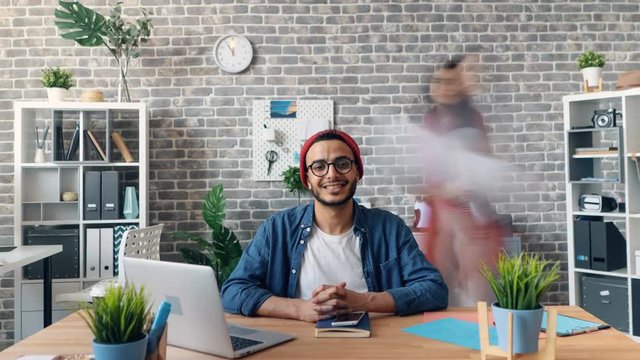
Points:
[[283, 109]]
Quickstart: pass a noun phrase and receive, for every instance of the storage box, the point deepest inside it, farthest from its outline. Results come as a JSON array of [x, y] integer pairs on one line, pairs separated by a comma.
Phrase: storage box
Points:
[[608, 299]]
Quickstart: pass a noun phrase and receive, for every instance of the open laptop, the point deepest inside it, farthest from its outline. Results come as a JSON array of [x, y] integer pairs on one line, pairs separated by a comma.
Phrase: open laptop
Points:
[[197, 319]]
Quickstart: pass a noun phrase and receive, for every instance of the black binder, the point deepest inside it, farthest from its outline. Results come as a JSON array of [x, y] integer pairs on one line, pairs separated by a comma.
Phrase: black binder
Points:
[[110, 198], [75, 142], [92, 190]]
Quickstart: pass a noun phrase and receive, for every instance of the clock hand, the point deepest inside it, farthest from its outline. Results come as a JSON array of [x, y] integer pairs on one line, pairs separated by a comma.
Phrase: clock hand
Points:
[[233, 51], [232, 45]]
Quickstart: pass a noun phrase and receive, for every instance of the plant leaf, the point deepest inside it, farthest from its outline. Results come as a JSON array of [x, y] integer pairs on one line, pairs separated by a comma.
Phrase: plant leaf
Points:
[[213, 208], [89, 24]]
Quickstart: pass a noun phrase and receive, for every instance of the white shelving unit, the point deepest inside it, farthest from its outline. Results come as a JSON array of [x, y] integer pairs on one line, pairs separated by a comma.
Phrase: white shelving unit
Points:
[[39, 186], [613, 175]]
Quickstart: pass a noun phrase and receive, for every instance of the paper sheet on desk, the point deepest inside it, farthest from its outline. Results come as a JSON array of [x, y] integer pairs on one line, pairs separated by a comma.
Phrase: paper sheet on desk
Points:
[[453, 331]]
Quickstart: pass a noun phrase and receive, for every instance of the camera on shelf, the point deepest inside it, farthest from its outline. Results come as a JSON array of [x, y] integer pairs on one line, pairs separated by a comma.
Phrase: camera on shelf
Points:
[[605, 118]]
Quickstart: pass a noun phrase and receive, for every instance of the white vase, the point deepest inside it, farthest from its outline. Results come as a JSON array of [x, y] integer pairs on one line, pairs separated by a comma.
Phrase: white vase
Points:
[[39, 157], [130, 208], [57, 94], [592, 75]]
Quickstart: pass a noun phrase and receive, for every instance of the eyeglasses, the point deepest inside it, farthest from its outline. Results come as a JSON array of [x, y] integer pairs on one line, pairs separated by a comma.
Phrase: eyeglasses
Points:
[[320, 168]]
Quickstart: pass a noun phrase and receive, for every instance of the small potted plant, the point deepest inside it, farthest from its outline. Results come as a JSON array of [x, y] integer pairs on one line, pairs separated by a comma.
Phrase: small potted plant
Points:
[[291, 179], [520, 283], [591, 63], [118, 321], [58, 82]]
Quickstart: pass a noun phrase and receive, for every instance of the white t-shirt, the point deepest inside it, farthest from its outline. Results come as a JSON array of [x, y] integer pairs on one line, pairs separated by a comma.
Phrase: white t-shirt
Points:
[[331, 259]]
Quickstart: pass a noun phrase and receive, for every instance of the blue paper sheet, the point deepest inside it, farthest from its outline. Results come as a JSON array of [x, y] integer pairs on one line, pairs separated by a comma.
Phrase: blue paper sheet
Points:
[[570, 326], [453, 331]]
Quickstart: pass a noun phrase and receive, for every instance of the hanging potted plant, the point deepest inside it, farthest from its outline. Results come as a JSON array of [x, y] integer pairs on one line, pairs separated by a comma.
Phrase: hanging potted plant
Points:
[[122, 38], [520, 283], [291, 179], [591, 63], [118, 321], [58, 82]]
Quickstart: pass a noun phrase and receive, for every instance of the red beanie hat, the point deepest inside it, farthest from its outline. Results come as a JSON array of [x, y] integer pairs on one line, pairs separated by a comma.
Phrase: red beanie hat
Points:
[[342, 136]]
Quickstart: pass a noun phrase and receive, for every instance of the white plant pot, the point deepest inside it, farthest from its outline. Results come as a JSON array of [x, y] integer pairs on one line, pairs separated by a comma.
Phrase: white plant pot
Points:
[[592, 75], [57, 94]]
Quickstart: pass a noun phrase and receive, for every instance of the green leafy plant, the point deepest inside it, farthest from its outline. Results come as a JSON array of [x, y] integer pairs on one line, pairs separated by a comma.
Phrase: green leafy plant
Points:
[[521, 280], [57, 78], [119, 317], [291, 178], [590, 59], [89, 28], [223, 251]]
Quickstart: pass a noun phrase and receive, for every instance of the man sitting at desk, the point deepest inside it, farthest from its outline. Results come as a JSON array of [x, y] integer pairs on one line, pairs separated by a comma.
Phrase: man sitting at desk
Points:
[[333, 256]]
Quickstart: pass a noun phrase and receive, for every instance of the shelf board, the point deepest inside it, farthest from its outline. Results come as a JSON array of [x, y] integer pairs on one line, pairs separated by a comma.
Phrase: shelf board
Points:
[[634, 215], [603, 181], [591, 156], [50, 202], [617, 273], [52, 222], [614, 214], [51, 165], [118, 221], [593, 129]]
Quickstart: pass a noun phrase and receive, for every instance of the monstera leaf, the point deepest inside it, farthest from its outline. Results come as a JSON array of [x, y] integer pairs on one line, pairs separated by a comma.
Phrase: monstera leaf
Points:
[[223, 251], [87, 26]]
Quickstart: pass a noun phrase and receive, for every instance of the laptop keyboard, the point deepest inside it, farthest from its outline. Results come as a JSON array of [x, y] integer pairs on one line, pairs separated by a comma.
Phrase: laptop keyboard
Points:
[[239, 343]]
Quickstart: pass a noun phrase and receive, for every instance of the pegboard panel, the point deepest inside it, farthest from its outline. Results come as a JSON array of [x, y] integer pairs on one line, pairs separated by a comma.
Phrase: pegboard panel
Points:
[[290, 134]]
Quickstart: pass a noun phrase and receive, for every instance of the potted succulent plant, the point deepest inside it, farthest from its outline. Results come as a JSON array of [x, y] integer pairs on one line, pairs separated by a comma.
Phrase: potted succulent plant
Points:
[[58, 82], [118, 321], [520, 283], [291, 179], [591, 63], [223, 251]]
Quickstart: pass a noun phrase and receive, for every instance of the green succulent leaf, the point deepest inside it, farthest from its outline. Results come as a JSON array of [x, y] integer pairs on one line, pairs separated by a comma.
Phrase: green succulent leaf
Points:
[[590, 59], [120, 316], [521, 279]]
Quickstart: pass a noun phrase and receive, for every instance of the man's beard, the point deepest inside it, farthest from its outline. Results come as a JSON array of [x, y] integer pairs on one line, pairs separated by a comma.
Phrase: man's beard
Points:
[[340, 202]]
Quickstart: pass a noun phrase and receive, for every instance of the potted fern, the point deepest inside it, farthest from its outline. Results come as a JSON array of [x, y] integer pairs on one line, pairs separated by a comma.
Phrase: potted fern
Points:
[[591, 64], [520, 283], [58, 82], [118, 321], [223, 251], [291, 179]]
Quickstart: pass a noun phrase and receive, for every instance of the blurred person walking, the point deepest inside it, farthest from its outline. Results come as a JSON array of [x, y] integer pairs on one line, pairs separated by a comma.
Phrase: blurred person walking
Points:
[[460, 172]]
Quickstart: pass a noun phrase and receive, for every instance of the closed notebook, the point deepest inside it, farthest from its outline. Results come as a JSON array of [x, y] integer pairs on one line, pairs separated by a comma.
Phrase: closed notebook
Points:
[[324, 329]]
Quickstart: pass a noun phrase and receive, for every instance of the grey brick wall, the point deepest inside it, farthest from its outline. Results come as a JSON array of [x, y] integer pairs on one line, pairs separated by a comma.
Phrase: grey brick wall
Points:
[[373, 59]]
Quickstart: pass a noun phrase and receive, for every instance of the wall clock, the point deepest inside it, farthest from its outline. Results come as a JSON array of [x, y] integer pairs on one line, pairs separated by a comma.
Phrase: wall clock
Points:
[[233, 53]]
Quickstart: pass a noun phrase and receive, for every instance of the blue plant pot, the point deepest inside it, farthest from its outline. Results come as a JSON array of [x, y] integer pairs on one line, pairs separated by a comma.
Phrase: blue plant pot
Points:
[[526, 328], [134, 350]]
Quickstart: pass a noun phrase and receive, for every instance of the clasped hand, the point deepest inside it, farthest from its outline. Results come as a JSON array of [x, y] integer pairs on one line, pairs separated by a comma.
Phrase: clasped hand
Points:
[[328, 301]]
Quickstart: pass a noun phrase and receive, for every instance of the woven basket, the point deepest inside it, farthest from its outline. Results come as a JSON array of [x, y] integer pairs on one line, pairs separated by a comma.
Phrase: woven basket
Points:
[[92, 96]]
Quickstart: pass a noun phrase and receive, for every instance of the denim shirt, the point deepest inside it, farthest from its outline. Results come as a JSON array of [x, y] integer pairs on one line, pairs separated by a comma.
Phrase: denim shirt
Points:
[[391, 262]]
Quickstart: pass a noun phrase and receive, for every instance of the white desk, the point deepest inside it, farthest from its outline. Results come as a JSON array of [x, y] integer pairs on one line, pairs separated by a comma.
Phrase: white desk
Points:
[[27, 254]]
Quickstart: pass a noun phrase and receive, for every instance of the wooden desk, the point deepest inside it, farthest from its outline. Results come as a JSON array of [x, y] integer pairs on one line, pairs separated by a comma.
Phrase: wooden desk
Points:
[[27, 254], [71, 335]]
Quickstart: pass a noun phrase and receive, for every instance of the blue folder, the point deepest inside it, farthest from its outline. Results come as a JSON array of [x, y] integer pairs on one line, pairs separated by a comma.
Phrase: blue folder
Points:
[[571, 326], [453, 331]]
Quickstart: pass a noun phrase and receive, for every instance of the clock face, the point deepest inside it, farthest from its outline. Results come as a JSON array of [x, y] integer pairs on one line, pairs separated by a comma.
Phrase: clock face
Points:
[[233, 53]]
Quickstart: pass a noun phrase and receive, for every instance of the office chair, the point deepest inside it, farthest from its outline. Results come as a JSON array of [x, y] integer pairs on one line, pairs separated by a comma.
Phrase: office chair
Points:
[[138, 243]]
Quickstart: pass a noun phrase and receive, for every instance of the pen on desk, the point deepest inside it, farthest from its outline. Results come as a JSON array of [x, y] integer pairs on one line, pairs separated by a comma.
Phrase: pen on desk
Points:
[[584, 330]]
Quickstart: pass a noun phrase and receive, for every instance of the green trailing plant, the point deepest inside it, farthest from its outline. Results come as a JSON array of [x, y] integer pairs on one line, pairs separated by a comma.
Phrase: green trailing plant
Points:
[[291, 179], [89, 28], [57, 78], [121, 316], [590, 59], [223, 251], [521, 280]]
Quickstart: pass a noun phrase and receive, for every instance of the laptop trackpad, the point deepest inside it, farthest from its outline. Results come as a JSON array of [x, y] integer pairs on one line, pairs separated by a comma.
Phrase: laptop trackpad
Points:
[[241, 331]]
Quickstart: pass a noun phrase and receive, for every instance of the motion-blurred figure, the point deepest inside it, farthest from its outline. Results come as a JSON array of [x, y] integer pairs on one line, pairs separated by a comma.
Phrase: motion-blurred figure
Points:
[[460, 175]]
